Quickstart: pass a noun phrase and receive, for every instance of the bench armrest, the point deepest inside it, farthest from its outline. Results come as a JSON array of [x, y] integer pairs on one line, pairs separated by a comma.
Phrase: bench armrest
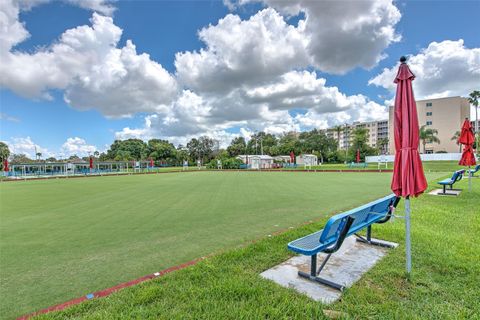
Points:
[[393, 205], [341, 237]]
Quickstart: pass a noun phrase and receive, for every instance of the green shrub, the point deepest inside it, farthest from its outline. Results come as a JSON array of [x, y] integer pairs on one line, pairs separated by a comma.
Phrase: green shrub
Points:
[[227, 163]]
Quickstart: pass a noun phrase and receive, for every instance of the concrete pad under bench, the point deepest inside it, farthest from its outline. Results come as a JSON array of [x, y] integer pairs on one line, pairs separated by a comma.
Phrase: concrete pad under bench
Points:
[[450, 192], [346, 267]]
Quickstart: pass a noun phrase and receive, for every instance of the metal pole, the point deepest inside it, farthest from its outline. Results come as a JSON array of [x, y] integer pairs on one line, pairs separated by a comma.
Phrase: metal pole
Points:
[[407, 236], [469, 179], [476, 124]]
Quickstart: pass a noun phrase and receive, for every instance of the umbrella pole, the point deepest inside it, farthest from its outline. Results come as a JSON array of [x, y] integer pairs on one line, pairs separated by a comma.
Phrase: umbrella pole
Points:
[[469, 179], [407, 236]]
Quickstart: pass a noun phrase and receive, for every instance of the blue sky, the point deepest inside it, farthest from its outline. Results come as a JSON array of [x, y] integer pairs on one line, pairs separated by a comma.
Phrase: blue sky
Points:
[[71, 107]]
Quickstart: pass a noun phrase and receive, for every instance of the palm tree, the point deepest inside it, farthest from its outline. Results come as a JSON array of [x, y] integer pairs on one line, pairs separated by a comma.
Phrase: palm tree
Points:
[[338, 130], [382, 144], [455, 138], [473, 99], [428, 135]]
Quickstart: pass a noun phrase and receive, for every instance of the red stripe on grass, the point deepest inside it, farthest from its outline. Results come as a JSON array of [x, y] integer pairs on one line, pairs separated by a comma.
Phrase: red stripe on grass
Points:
[[109, 291]]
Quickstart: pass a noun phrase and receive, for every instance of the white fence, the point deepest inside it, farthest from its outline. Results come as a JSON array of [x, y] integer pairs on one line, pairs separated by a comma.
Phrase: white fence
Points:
[[424, 157]]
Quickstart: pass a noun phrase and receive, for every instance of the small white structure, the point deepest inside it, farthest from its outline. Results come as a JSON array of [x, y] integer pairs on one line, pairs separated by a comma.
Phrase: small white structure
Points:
[[261, 162], [136, 166], [219, 164], [382, 160], [257, 161], [308, 160], [185, 165]]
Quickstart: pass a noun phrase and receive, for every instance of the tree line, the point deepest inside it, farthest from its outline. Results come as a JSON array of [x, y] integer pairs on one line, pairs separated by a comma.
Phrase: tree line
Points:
[[206, 149]]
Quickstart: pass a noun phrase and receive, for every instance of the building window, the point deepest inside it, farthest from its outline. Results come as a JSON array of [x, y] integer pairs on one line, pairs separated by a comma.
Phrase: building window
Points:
[[429, 151], [429, 113], [429, 123], [429, 104]]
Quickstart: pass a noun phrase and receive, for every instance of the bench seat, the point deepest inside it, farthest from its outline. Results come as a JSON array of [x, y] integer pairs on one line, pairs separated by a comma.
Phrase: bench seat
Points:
[[309, 245], [447, 182]]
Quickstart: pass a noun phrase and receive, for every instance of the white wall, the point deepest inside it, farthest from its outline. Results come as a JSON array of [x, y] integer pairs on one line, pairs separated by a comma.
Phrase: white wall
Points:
[[424, 157]]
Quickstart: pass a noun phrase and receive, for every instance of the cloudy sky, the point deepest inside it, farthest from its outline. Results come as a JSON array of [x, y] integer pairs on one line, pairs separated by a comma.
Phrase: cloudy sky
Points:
[[77, 74]]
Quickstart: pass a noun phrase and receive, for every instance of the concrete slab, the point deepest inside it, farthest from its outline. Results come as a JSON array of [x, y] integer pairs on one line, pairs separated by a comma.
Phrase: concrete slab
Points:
[[345, 267], [439, 192]]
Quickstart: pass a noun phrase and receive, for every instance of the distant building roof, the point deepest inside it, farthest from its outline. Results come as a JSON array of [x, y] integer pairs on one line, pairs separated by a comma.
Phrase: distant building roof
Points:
[[258, 156]]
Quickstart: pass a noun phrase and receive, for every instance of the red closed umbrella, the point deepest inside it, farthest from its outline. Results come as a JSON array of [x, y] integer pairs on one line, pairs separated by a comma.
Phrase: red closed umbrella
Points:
[[292, 157], [358, 156], [151, 163], [408, 177], [5, 165], [91, 163], [467, 138]]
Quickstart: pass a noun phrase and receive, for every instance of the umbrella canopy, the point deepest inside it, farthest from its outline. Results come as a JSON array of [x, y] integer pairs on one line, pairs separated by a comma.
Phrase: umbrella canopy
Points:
[[358, 156], [468, 157], [91, 163], [408, 177], [5, 165], [467, 138]]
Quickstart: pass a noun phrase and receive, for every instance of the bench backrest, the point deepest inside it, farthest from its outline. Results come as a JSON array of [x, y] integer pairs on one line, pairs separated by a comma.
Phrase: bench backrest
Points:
[[364, 216], [458, 175], [477, 167]]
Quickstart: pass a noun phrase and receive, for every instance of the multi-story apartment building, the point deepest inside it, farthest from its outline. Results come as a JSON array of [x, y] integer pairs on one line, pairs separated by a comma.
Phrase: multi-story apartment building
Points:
[[446, 115], [343, 134]]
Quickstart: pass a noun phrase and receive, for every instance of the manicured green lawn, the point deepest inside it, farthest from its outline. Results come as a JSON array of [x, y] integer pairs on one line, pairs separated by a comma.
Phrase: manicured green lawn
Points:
[[60, 239], [443, 285]]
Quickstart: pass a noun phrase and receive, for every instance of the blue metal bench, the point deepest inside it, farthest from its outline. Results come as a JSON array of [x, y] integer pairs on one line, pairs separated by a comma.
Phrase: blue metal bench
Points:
[[474, 170], [457, 176], [339, 227], [357, 165]]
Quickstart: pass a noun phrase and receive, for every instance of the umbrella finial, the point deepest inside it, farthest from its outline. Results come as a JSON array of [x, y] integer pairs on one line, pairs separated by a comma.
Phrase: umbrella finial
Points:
[[403, 59]]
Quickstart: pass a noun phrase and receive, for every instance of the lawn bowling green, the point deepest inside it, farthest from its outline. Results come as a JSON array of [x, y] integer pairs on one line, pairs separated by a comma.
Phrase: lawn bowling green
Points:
[[61, 239]]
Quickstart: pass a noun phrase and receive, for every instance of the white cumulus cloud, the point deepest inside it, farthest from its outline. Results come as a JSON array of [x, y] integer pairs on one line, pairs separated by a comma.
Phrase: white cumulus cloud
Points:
[[342, 35], [25, 145], [88, 65], [242, 52], [77, 146], [443, 69]]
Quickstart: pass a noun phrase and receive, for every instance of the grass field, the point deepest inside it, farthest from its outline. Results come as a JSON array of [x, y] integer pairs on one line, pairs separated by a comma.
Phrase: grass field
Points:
[[443, 284], [62, 239]]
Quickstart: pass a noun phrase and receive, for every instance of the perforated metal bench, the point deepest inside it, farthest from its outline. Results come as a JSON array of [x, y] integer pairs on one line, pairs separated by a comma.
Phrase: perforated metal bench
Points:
[[340, 226], [357, 165], [457, 176]]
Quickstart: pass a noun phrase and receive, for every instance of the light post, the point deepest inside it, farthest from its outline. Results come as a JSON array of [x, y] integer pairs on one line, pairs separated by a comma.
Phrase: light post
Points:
[[346, 141]]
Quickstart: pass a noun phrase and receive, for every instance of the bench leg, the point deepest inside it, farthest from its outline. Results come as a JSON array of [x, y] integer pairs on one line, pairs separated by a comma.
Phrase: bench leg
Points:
[[313, 275], [445, 193], [369, 240]]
